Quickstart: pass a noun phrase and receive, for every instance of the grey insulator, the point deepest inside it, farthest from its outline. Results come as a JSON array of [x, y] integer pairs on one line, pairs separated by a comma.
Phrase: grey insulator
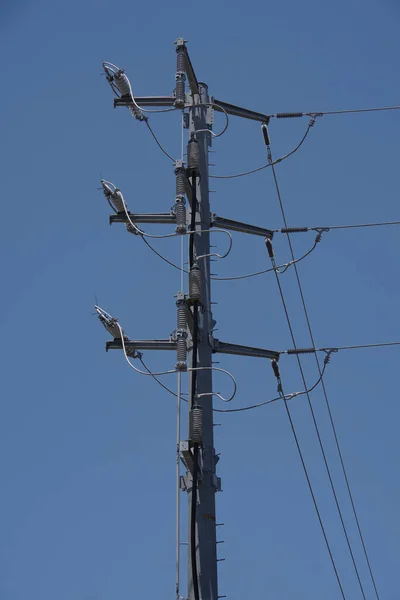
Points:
[[195, 284], [180, 182], [181, 351], [193, 156], [180, 90], [196, 425], [180, 60], [181, 315], [122, 83], [180, 211]]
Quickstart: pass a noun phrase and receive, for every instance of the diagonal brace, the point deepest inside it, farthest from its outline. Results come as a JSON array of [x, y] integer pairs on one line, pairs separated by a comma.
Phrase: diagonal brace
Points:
[[238, 349]]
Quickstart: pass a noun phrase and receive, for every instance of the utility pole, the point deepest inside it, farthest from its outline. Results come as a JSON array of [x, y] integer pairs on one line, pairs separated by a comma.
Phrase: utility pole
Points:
[[193, 338], [208, 483]]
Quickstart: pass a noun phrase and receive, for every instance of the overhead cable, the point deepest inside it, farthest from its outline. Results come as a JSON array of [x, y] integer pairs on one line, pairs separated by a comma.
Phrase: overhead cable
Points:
[[308, 396], [294, 115], [278, 160], [282, 395]]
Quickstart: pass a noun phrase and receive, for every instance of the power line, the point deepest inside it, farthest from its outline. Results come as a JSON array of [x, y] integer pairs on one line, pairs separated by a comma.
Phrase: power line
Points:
[[329, 227], [278, 160], [321, 375], [294, 115], [311, 488]]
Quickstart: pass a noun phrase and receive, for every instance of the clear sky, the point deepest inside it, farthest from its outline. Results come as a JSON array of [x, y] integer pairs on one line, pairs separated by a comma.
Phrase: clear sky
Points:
[[87, 447]]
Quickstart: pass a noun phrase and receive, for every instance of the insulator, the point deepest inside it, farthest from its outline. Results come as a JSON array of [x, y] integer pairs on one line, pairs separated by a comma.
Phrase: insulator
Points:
[[118, 200], [131, 229], [193, 156], [294, 229], [181, 315], [275, 369], [270, 248], [180, 182], [196, 425], [180, 90], [301, 351], [195, 284], [180, 211], [122, 83], [181, 351], [289, 115], [180, 60], [264, 129], [112, 327]]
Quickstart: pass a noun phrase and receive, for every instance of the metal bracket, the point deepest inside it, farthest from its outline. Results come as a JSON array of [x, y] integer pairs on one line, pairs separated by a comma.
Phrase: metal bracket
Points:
[[157, 218], [239, 111], [145, 101], [132, 345], [186, 455], [240, 227], [227, 348]]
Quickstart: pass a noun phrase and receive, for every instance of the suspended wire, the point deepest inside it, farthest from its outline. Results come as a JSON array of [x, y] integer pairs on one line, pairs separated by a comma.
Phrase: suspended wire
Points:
[[288, 396], [215, 135], [280, 268], [160, 382], [308, 396], [309, 485], [332, 112], [328, 228], [158, 143], [368, 346], [278, 160], [323, 383], [169, 262]]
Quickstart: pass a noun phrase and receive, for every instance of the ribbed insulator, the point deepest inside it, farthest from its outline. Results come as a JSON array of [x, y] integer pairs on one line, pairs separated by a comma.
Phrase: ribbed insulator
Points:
[[118, 200], [196, 425], [181, 315], [289, 115], [180, 211], [122, 83], [181, 351], [180, 90], [180, 182], [193, 156], [180, 60], [195, 284]]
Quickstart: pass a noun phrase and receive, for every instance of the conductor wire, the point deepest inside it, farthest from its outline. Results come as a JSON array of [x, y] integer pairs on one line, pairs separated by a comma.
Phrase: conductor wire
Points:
[[309, 399], [270, 164]]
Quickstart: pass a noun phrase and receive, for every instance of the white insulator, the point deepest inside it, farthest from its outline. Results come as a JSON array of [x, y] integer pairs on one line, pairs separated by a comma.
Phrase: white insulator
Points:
[[112, 327], [122, 83], [118, 200]]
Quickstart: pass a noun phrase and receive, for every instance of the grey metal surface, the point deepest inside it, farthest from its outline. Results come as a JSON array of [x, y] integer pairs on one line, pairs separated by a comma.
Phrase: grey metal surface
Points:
[[206, 530], [160, 218], [240, 350], [238, 111], [232, 225], [146, 101], [141, 345]]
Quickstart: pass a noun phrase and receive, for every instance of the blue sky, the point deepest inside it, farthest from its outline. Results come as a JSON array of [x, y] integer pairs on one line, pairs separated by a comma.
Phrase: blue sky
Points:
[[87, 447]]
